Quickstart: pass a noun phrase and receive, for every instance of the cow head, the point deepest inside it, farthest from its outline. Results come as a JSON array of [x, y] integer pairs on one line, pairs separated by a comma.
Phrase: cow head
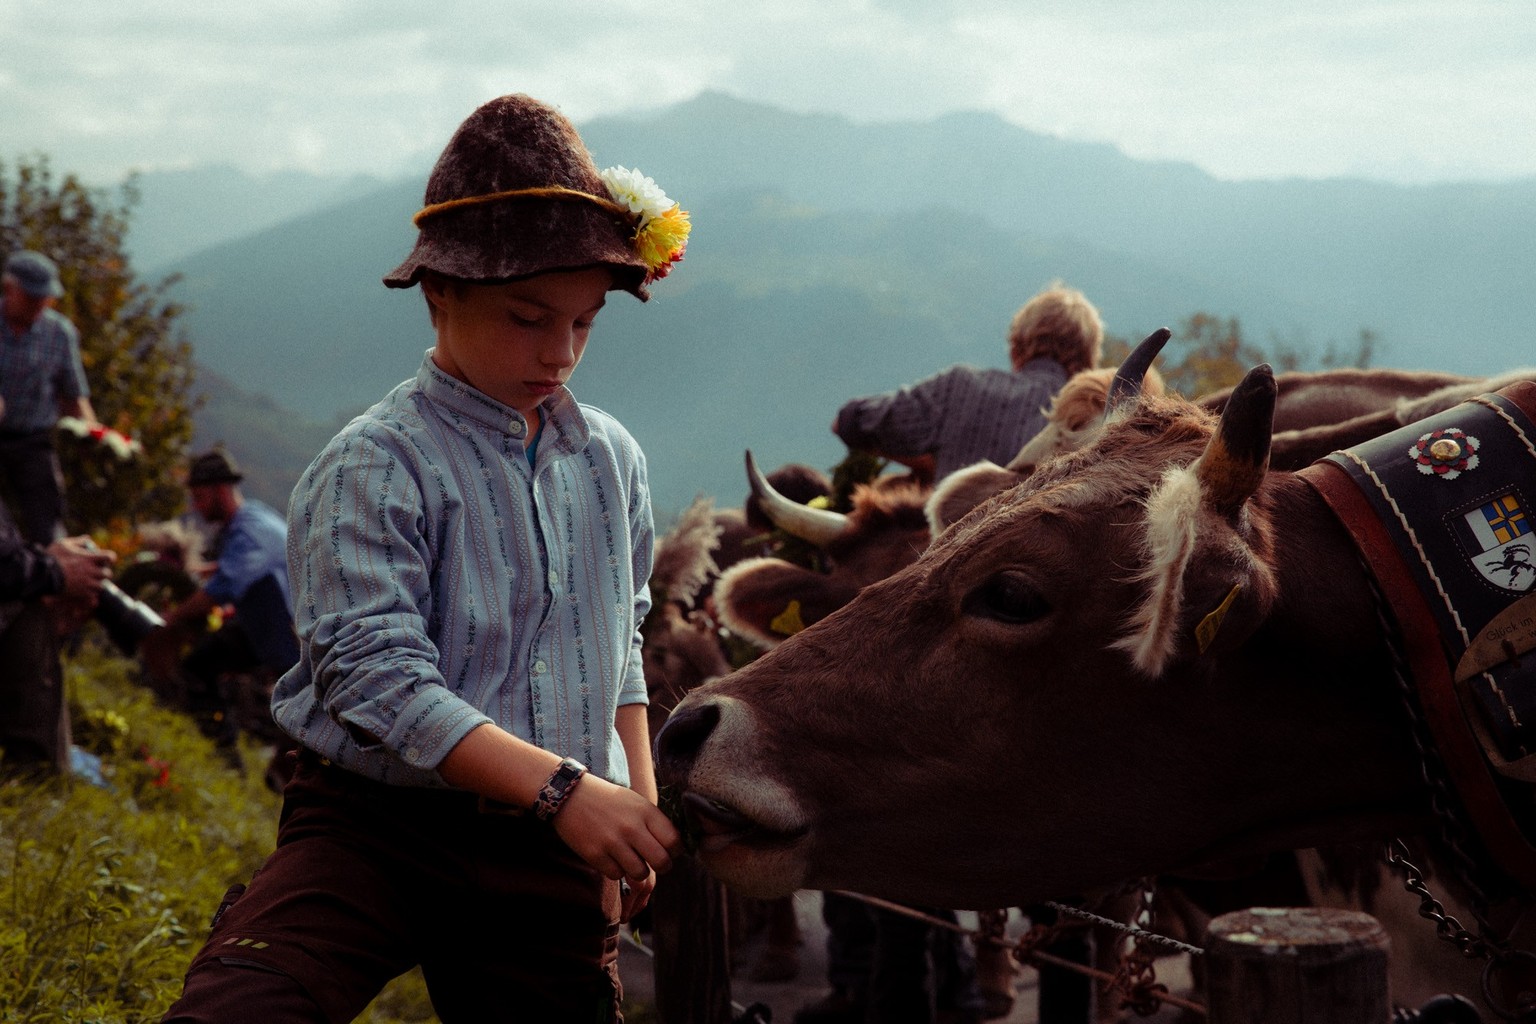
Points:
[[766, 600], [1070, 687]]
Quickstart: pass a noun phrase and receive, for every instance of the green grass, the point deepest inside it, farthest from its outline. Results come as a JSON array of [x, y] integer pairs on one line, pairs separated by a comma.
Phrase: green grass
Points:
[[106, 891]]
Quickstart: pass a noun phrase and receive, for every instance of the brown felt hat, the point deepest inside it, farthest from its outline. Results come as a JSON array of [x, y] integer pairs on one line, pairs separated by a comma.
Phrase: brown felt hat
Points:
[[510, 144]]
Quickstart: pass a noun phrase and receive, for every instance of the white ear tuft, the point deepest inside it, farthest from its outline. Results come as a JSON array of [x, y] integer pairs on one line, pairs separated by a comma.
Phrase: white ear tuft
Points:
[[1173, 510]]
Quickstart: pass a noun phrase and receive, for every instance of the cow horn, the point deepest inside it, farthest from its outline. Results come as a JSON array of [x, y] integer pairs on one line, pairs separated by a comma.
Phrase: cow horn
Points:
[[1127, 383], [1237, 456], [818, 526]]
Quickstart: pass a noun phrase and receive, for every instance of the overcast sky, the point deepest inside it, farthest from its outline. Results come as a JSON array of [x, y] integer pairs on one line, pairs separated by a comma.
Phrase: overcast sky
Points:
[[1397, 90]]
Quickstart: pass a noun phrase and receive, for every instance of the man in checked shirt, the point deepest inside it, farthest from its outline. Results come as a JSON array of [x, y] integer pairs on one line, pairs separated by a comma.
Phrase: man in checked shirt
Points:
[[41, 379]]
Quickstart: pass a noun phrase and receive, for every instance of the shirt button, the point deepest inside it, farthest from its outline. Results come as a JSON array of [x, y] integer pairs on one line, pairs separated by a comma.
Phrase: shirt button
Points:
[[538, 667], [515, 427], [554, 578], [411, 753]]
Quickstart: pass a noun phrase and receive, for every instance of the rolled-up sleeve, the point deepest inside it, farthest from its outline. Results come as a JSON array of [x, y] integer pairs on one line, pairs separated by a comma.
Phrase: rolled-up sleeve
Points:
[[360, 561], [904, 422]]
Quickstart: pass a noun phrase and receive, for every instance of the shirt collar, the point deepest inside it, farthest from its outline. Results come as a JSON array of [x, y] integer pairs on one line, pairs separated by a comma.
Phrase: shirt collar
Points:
[[570, 431]]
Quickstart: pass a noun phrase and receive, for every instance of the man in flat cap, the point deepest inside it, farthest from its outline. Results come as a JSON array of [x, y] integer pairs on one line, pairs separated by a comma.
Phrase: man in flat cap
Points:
[[41, 379], [250, 574]]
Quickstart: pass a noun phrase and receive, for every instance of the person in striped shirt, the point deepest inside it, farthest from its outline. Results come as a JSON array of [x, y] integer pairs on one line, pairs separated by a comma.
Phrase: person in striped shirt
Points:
[[474, 791], [964, 414]]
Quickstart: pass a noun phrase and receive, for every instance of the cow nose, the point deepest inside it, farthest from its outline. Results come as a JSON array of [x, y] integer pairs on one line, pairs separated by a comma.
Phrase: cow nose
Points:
[[685, 731]]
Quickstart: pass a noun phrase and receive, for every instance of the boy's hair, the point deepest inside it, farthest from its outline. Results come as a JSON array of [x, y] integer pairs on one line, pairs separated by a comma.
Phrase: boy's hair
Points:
[[452, 284], [515, 193], [1059, 323]]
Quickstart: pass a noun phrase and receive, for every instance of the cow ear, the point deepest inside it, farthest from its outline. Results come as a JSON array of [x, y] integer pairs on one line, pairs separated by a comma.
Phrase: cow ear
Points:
[[1225, 601], [964, 490], [1237, 457], [768, 600]]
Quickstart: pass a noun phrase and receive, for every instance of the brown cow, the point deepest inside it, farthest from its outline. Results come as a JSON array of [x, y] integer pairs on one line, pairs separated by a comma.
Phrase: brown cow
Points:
[[1026, 711], [767, 599], [1315, 413], [1304, 400]]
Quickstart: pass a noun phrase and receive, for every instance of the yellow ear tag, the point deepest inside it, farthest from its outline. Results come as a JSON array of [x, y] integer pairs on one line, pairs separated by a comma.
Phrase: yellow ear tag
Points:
[[788, 622], [1206, 631]]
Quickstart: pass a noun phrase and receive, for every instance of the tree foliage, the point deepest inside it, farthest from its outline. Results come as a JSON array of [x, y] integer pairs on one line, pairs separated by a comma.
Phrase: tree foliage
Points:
[[1208, 353], [137, 358]]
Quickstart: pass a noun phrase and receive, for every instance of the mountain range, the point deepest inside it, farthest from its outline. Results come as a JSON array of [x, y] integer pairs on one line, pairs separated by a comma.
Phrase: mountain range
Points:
[[830, 259]]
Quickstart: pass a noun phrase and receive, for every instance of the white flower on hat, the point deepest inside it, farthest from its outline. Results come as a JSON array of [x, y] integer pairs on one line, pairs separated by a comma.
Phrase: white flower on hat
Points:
[[638, 192], [661, 225]]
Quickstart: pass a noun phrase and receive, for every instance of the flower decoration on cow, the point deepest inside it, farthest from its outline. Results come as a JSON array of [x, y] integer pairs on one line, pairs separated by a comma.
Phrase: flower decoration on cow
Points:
[[661, 225], [1446, 453]]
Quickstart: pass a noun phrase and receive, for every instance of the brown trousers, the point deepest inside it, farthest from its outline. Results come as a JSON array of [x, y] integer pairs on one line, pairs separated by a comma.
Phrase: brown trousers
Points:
[[369, 880]]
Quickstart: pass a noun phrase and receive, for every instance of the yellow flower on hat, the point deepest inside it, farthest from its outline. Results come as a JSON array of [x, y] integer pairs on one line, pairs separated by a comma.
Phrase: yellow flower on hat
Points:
[[663, 241], [661, 225]]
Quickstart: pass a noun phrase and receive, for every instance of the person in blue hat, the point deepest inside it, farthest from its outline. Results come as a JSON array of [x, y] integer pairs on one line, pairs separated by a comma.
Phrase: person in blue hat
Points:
[[41, 379]]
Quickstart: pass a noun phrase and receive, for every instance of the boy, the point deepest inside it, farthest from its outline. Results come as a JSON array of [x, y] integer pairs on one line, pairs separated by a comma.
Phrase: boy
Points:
[[474, 790]]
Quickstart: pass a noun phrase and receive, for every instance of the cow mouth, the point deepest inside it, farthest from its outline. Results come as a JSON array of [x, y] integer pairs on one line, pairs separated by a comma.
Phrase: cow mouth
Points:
[[718, 825]]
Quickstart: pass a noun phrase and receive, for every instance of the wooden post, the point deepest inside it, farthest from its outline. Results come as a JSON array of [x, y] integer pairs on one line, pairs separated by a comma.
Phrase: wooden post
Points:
[[1297, 965]]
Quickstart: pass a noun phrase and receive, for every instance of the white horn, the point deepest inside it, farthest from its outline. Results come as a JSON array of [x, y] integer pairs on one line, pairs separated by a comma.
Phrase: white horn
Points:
[[818, 526]]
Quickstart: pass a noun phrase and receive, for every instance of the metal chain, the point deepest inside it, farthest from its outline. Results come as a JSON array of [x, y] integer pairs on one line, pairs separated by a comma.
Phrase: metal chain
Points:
[[1454, 839], [1473, 947], [1137, 975], [1453, 834], [1129, 929]]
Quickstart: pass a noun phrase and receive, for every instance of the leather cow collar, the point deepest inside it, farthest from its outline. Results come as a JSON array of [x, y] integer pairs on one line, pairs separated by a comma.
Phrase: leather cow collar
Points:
[[1444, 513]]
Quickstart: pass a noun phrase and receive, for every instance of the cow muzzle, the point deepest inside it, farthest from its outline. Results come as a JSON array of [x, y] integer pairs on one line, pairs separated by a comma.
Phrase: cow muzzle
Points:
[[731, 804]]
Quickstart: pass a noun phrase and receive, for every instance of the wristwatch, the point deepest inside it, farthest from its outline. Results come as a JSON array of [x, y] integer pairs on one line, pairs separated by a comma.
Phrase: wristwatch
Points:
[[558, 788]]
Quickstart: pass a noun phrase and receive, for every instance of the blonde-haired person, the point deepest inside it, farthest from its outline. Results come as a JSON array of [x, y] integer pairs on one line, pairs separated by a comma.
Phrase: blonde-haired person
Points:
[[474, 791], [965, 414], [1059, 324]]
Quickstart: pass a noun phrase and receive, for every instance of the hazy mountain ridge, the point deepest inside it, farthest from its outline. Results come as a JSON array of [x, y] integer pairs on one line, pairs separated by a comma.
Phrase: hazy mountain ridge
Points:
[[831, 259], [182, 212]]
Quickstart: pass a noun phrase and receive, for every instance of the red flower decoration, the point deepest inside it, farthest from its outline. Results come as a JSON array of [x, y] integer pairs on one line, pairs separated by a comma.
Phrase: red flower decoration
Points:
[[1446, 453]]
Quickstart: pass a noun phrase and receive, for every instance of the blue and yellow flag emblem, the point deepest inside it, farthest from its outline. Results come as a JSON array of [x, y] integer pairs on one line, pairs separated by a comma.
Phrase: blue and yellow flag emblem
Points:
[[1501, 531]]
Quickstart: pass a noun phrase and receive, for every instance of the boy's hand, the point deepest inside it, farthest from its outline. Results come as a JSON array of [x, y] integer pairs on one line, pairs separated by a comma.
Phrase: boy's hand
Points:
[[620, 833], [633, 896]]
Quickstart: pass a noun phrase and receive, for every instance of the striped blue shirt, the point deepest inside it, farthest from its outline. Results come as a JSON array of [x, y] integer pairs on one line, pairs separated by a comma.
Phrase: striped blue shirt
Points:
[[960, 415], [442, 582], [37, 369]]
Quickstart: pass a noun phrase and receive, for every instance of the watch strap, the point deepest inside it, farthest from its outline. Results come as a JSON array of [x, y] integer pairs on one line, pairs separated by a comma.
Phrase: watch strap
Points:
[[558, 788]]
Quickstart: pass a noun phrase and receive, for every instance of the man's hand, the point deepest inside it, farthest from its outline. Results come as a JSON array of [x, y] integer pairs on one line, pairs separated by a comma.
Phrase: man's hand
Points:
[[84, 565]]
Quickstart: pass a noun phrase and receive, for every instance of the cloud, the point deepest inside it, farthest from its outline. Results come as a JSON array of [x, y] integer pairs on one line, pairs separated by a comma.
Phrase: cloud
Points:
[[1415, 89]]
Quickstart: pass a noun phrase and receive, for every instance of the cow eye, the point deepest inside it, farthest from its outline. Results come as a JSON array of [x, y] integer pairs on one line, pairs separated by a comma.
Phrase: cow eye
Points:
[[1007, 597]]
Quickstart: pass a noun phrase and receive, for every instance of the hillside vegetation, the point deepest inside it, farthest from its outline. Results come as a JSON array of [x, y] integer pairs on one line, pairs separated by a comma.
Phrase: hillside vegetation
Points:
[[108, 888]]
